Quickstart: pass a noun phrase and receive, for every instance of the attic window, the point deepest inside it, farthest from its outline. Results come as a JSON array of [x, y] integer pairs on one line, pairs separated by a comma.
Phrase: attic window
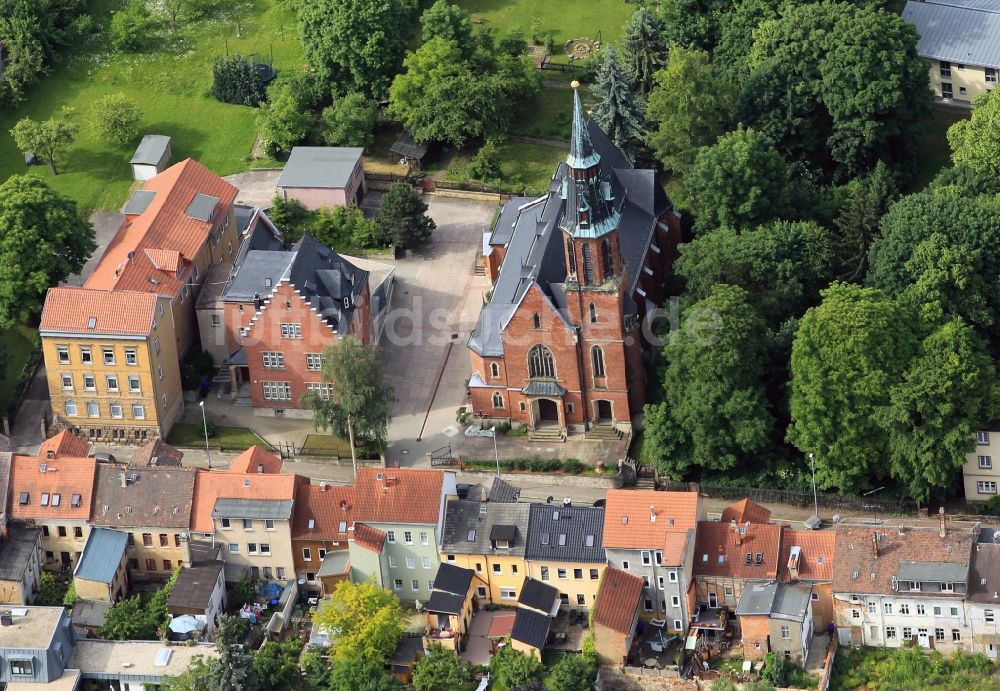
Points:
[[590, 541], [749, 558], [55, 499], [92, 323], [472, 535], [982, 581], [128, 509], [45, 498], [555, 515], [722, 558], [75, 501], [624, 520], [545, 538], [342, 527], [856, 575], [267, 282], [312, 523], [704, 558], [175, 511], [246, 483], [670, 521], [482, 508], [562, 539], [759, 558]]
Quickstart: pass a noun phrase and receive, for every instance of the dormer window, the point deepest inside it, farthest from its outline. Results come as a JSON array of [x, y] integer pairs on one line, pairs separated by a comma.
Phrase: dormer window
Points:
[[503, 544], [545, 538], [947, 587], [914, 585], [749, 558], [758, 558], [23, 499], [312, 523]]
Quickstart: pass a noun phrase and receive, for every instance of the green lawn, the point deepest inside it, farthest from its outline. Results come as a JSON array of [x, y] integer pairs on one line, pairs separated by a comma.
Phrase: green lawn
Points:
[[230, 438], [15, 344], [326, 445], [552, 113], [933, 152], [526, 167], [172, 85]]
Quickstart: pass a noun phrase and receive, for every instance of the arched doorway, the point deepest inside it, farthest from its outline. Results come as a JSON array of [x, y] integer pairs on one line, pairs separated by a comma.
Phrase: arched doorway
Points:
[[603, 409], [548, 412]]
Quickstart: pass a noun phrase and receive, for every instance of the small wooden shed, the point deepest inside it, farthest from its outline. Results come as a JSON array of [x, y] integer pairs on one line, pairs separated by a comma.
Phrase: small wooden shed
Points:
[[152, 157]]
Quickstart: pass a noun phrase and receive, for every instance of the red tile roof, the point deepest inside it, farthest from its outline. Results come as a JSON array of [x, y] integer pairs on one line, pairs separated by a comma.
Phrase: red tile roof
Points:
[[628, 517], [675, 546], [327, 508], [617, 600], [746, 510], [64, 476], [163, 227], [113, 313], [156, 454], [65, 444], [368, 537], [211, 485], [717, 540], [501, 625], [403, 495], [250, 460], [816, 558]]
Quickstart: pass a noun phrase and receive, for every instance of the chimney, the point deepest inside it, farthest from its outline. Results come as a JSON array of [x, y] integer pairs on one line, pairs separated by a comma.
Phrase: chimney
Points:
[[260, 467], [50, 454], [736, 531], [875, 544], [943, 531], [793, 562], [124, 479], [483, 496], [322, 487], [652, 514]]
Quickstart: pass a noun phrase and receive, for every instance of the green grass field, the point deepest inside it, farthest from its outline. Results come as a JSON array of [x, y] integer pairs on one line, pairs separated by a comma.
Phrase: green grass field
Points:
[[524, 165], [229, 438], [172, 84]]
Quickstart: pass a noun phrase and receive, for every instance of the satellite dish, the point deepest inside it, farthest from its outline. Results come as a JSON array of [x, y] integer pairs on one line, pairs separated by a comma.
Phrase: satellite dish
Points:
[[996, 537]]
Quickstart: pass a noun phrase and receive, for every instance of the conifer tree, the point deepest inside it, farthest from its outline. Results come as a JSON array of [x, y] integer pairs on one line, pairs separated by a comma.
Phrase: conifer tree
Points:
[[644, 49], [616, 111]]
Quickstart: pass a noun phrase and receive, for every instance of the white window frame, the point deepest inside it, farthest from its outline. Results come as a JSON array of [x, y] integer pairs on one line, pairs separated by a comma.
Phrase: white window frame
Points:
[[986, 486], [291, 330], [508, 594], [273, 359], [314, 362], [986, 462], [277, 390]]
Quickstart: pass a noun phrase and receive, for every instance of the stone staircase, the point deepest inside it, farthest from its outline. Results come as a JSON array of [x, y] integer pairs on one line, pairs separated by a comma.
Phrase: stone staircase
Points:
[[480, 267], [604, 431], [551, 434], [645, 483]]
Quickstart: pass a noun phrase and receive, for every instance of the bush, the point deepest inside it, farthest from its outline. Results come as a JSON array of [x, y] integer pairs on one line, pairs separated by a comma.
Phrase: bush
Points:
[[50, 592], [212, 428], [284, 122], [196, 366], [237, 80], [993, 506], [572, 466], [132, 27], [485, 166], [116, 119], [69, 599], [240, 594]]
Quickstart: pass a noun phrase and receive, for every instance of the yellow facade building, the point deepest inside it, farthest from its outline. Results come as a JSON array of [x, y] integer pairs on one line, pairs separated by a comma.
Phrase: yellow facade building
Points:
[[565, 550], [111, 362]]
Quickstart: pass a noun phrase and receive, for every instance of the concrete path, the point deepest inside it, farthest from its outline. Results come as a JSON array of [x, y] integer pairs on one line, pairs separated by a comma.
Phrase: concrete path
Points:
[[256, 187]]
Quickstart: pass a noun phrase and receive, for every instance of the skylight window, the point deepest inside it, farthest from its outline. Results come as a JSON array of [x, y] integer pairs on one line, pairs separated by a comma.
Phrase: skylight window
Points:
[[75, 501], [56, 498], [472, 535], [45, 498], [545, 538], [22, 498]]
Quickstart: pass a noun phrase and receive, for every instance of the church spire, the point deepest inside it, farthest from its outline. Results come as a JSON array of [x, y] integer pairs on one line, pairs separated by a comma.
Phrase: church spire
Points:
[[581, 149]]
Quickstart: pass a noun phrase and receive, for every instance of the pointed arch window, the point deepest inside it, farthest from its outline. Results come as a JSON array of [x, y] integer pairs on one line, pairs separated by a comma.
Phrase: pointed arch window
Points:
[[541, 363], [597, 359], [588, 265], [536, 320], [571, 256], [497, 400], [606, 259], [593, 313], [494, 370]]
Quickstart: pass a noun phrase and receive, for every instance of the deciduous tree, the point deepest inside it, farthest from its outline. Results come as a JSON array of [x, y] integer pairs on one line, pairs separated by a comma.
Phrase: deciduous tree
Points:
[[43, 240], [46, 138], [363, 618], [283, 122], [975, 142], [276, 665], [116, 118], [512, 669], [572, 672], [616, 111], [644, 48], [349, 121], [201, 674], [450, 22], [236, 668], [440, 669], [132, 27]]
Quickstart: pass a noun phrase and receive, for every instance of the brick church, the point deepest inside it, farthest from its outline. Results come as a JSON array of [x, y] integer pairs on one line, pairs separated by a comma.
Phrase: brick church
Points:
[[560, 343]]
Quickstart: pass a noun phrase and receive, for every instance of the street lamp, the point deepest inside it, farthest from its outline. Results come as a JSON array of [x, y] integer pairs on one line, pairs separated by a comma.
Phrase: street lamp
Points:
[[495, 451], [815, 521], [204, 426]]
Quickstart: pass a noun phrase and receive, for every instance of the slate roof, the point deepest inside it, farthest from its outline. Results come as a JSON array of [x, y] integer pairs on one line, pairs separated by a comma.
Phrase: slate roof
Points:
[[534, 254], [855, 554], [113, 313], [465, 515], [151, 149], [156, 454], [537, 595], [531, 627], [565, 533], [402, 495], [71, 478], [195, 586], [446, 603], [16, 550], [151, 497], [271, 509], [453, 579], [327, 167], [745, 510], [717, 554], [641, 519], [503, 228], [617, 600], [984, 576], [102, 555], [968, 35], [775, 600], [816, 555]]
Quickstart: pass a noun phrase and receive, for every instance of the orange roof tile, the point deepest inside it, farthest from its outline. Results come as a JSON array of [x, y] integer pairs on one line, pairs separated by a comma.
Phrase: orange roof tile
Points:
[[617, 600], [165, 260], [65, 443], [64, 477], [251, 460], [212, 485], [501, 625], [112, 313], [163, 226], [816, 558], [327, 508], [719, 540], [368, 537], [746, 510], [675, 546], [629, 517], [403, 495]]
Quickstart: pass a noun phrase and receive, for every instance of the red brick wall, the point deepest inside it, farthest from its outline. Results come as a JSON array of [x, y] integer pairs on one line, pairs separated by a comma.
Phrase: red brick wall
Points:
[[493, 260]]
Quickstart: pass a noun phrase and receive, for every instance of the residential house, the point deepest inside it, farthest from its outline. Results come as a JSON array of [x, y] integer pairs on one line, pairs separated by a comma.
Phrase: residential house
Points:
[[336, 567], [616, 615], [245, 511], [200, 591], [156, 454], [565, 548], [904, 581], [978, 473], [490, 538], [402, 512], [323, 176], [958, 40], [451, 608], [151, 157], [729, 555], [151, 504], [320, 520], [54, 491], [20, 564], [537, 606], [35, 646], [982, 605], [776, 617], [112, 363], [652, 535], [134, 665], [807, 557], [745, 510], [101, 573], [559, 345]]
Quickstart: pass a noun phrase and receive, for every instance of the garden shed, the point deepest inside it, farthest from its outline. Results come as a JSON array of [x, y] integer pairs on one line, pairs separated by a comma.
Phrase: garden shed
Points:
[[151, 157]]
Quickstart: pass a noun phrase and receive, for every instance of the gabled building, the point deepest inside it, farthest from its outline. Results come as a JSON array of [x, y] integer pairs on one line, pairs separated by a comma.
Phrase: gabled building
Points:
[[565, 549], [776, 617], [728, 556], [807, 557], [54, 492], [450, 610], [904, 581], [200, 591], [20, 564], [153, 506], [537, 605], [321, 519], [616, 615], [323, 176], [979, 473], [559, 344], [156, 454], [488, 537], [652, 535]]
